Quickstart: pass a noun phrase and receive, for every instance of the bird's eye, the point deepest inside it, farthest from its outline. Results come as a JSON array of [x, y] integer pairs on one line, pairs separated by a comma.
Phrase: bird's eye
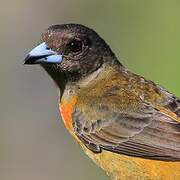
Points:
[[75, 46]]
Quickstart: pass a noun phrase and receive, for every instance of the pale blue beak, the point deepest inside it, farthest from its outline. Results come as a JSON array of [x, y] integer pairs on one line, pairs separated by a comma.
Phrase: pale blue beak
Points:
[[42, 55]]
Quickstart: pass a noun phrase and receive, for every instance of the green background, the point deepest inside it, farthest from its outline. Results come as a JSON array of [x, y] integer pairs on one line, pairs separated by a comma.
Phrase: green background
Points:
[[144, 34]]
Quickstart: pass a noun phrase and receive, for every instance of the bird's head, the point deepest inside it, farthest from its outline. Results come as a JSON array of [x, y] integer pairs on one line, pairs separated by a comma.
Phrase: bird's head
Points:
[[71, 51]]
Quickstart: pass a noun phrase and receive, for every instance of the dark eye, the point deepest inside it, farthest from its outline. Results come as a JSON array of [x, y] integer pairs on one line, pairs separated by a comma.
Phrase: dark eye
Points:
[[75, 46]]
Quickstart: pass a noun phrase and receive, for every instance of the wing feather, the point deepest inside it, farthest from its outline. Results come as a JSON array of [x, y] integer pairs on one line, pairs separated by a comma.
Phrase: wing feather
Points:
[[151, 136], [147, 126]]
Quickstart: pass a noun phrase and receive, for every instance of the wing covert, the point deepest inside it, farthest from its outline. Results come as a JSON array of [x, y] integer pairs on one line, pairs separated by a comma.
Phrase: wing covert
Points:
[[149, 135]]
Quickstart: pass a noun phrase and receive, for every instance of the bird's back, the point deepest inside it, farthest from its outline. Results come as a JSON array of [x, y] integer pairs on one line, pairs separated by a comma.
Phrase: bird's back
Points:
[[122, 92]]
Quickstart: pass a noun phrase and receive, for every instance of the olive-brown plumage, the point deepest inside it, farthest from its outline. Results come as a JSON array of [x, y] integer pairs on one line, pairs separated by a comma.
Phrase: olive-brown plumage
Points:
[[114, 114]]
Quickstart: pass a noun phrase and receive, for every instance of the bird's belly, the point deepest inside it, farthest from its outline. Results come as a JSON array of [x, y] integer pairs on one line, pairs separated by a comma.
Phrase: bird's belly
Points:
[[121, 167]]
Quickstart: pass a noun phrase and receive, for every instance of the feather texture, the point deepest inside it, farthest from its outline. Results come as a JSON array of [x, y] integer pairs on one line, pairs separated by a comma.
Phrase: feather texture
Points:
[[126, 119]]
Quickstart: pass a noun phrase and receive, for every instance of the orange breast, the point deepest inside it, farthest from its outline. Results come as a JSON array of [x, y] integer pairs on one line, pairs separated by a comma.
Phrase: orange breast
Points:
[[66, 109]]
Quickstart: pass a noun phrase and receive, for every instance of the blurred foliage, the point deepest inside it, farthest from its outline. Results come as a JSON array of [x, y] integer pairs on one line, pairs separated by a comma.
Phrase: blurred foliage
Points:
[[33, 143]]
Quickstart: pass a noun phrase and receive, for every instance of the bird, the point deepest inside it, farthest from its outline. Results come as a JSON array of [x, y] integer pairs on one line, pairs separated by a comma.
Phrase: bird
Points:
[[128, 125]]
